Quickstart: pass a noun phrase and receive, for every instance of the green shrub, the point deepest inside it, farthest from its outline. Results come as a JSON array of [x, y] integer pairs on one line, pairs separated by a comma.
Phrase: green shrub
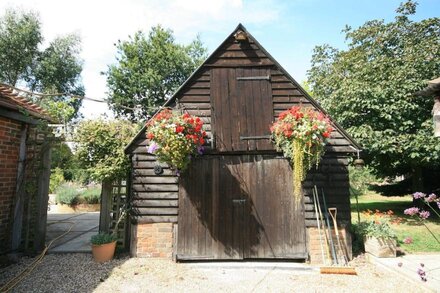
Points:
[[56, 179], [68, 194], [360, 180], [102, 238], [91, 196]]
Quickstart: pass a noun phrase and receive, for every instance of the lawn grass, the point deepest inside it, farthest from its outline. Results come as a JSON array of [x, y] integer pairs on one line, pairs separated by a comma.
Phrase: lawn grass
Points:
[[423, 241]]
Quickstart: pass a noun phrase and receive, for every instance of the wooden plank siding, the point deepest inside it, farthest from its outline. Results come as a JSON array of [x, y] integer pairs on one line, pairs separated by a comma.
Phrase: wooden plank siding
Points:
[[154, 197]]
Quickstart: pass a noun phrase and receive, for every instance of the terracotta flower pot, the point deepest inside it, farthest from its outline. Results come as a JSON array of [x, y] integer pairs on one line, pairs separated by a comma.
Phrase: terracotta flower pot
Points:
[[104, 252]]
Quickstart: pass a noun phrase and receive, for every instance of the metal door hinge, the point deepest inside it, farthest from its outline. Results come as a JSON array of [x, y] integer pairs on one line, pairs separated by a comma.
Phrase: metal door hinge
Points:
[[255, 137], [264, 77]]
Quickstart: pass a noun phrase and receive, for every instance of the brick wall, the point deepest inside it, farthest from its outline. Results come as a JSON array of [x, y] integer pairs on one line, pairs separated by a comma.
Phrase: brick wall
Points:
[[9, 149], [315, 245], [152, 240]]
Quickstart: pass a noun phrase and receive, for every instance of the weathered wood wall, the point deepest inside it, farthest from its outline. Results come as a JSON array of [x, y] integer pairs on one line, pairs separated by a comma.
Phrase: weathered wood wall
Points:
[[216, 93]]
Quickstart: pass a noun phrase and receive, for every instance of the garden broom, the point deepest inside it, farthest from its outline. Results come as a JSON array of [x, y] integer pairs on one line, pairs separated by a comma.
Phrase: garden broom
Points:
[[345, 270]]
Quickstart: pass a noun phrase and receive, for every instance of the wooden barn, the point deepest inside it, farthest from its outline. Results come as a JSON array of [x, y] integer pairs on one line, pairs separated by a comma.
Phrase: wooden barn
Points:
[[235, 201]]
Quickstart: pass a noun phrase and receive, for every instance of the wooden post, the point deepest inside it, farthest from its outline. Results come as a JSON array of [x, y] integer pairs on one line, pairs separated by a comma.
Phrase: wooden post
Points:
[[17, 224], [104, 215], [42, 198]]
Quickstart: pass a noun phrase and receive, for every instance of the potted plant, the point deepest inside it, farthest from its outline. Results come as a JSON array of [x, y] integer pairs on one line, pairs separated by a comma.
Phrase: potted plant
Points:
[[103, 246], [175, 138], [301, 134], [379, 238]]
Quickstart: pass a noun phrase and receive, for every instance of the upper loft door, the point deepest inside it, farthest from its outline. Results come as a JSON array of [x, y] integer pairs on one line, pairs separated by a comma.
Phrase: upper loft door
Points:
[[242, 109]]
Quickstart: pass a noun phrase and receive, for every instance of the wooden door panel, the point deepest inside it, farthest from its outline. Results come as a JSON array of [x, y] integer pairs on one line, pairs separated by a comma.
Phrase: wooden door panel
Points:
[[235, 207], [241, 107], [280, 223]]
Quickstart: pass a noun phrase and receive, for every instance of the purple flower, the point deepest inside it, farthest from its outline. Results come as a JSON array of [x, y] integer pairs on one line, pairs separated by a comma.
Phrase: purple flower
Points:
[[200, 150], [153, 147], [411, 211], [418, 195], [432, 197], [424, 214]]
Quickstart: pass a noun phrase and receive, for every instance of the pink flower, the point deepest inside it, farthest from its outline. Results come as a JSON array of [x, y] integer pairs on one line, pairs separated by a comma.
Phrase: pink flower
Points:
[[408, 240], [418, 195], [432, 197], [424, 214], [411, 211]]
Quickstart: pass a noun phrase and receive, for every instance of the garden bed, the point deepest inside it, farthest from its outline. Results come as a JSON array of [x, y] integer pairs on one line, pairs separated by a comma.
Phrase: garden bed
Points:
[[79, 208], [421, 240]]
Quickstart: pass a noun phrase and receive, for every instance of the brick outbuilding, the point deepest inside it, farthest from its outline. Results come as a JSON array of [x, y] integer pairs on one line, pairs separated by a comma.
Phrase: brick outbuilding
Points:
[[24, 173]]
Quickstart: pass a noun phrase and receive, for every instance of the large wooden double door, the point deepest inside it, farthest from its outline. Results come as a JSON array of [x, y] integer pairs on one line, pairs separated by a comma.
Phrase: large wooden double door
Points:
[[239, 207]]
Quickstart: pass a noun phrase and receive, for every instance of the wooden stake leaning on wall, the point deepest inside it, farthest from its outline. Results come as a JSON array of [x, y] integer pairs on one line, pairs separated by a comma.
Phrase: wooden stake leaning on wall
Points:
[[318, 223], [329, 229], [345, 270], [326, 237], [333, 213]]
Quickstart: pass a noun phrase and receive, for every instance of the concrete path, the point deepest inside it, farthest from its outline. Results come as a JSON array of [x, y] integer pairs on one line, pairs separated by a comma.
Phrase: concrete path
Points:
[[408, 266], [78, 239]]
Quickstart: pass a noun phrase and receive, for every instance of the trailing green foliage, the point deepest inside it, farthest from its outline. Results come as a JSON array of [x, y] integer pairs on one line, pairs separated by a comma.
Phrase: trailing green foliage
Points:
[[100, 148], [56, 179], [54, 69], [102, 238], [369, 88], [148, 71], [68, 194]]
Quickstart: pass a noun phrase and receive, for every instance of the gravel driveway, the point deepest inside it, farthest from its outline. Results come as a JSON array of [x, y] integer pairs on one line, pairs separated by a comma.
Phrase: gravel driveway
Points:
[[79, 273]]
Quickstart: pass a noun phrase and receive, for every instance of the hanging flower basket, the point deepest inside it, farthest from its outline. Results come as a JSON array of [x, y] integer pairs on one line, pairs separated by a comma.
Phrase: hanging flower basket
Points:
[[174, 138], [301, 134]]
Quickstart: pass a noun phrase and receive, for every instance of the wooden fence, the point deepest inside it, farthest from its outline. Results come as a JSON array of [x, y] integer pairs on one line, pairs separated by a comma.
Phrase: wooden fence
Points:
[[114, 207]]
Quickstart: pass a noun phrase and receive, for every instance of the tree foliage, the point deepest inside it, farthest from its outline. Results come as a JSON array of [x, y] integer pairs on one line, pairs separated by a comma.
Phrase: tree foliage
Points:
[[369, 88], [148, 71], [55, 69], [100, 147]]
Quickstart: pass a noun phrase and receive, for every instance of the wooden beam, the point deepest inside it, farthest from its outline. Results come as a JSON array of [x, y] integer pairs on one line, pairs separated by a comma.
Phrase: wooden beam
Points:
[[17, 224], [106, 204], [42, 198], [18, 116]]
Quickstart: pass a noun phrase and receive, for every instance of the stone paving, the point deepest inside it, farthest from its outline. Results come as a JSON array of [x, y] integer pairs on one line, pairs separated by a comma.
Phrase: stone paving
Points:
[[78, 239], [408, 265]]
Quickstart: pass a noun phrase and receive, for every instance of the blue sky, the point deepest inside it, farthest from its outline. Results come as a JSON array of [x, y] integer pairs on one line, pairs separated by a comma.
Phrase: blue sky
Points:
[[287, 29]]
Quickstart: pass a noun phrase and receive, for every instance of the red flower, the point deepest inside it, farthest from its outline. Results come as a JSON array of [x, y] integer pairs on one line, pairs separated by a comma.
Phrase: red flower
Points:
[[283, 115], [326, 134], [202, 141], [150, 135], [179, 129]]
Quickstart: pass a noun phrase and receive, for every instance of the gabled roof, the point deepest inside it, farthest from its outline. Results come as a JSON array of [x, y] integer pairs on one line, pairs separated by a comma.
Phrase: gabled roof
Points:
[[355, 145], [16, 103]]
